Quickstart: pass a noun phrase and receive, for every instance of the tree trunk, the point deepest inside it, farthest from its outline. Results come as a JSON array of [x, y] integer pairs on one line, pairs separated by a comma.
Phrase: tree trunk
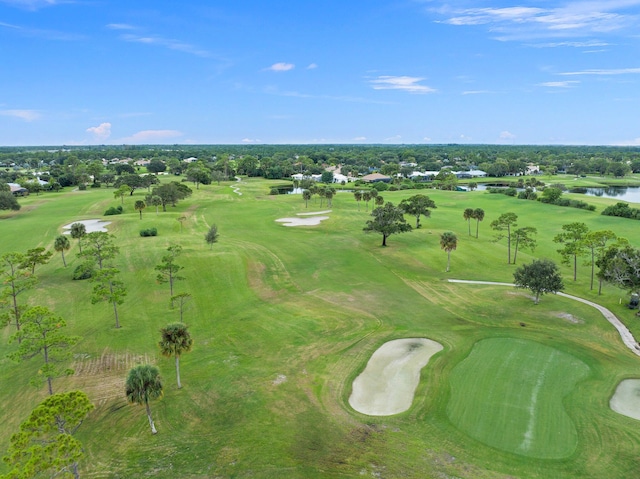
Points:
[[469, 224], [448, 260], [575, 266], [115, 311], [537, 298], [508, 245], [64, 261], [384, 240], [74, 470], [153, 427], [178, 371], [592, 268], [477, 226]]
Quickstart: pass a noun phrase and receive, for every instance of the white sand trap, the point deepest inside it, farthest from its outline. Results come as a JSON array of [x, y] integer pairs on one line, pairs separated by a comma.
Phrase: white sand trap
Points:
[[389, 382], [626, 400], [314, 213], [90, 225], [310, 221]]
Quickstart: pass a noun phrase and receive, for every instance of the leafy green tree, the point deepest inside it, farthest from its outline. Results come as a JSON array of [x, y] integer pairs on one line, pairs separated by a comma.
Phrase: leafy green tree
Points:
[[108, 288], [595, 242], [387, 220], [572, 238], [41, 335], [418, 205], [211, 236], [551, 194], [448, 242], [156, 166], [16, 280], [540, 276], [121, 192], [171, 193], [168, 269], [45, 445], [180, 299], [379, 201], [503, 225], [142, 385], [154, 200], [478, 215], [621, 266], [132, 183], [99, 248], [176, 340], [358, 197], [62, 244], [524, 239], [139, 206], [8, 201], [34, 257], [467, 214], [78, 231], [326, 177]]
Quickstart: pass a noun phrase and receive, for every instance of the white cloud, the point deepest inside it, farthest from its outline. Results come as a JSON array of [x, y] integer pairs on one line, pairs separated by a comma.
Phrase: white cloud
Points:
[[395, 138], [100, 132], [475, 92], [587, 44], [404, 83], [281, 67], [169, 43], [249, 140], [312, 66], [26, 115], [506, 135], [120, 26], [426, 138], [597, 71], [575, 18], [559, 84], [32, 4], [150, 137], [634, 142], [360, 138]]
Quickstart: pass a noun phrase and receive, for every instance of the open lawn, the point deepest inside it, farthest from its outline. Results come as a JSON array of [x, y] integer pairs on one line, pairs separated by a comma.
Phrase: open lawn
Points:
[[285, 318]]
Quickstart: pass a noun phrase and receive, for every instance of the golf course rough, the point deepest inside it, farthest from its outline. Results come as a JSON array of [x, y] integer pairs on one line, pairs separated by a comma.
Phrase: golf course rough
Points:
[[389, 381], [508, 393]]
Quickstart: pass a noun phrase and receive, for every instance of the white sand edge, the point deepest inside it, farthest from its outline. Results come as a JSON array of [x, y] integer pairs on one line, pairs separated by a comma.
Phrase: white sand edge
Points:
[[90, 225], [311, 221], [314, 213]]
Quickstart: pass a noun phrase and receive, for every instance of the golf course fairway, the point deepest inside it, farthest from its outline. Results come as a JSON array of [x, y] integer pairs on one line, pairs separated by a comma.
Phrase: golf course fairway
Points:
[[508, 393]]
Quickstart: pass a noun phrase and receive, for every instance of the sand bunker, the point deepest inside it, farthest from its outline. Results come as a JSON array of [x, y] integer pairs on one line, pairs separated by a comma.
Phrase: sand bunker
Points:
[[90, 225], [626, 400], [388, 383], [310, 221]]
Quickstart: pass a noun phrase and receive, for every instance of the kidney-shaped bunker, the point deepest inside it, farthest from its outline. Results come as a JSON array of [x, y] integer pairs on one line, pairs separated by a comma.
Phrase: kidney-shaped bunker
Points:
[[389, 381]]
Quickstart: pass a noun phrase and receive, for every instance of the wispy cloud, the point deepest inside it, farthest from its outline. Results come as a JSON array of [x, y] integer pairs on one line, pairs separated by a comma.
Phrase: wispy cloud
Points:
[[348, 99], [280, 67], [120, 26], [476, 92], [404, 83], [169, 43], [587, 44], [25, 115], [598, 71], [151, 137], [249, 141], [312, 66], [100, 132], [360, 138], [41, 33], [32, 4], [506, 136], [576, 18], [559, 84]]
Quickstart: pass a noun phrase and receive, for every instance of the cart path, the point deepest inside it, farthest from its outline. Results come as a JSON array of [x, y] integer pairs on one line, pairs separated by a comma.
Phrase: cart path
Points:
[[627, 338]]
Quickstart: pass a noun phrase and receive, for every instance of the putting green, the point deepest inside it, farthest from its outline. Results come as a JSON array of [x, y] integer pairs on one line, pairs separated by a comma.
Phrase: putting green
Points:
[[508, 394]]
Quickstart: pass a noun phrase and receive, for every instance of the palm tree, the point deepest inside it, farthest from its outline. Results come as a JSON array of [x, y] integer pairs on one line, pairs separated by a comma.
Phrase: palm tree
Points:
[[143, 384], [139, 206], [78, 231], [62, 244], [467, 215], [306, 196], [448, 242], [175, 341], [379, 201], [478, 215], [366, 196], [358, 197]]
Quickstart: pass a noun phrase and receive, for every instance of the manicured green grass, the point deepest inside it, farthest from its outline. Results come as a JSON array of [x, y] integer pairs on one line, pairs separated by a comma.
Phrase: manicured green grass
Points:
[[284, 318], [498, 400]]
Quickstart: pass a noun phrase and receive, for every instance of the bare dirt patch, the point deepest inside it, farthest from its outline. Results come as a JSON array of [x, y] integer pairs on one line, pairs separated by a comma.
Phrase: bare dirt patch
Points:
[[569, 317]]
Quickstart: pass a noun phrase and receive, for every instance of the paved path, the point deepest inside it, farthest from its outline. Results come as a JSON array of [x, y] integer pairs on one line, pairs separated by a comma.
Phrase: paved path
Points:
[[627, 338]]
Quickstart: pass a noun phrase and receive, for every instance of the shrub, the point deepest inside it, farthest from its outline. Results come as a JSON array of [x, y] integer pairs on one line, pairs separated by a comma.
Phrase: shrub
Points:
[[149, 232], [97, 184], [381, 186], [82, 187], [273, 191], [114, 211], [83, 271], [622, 210]]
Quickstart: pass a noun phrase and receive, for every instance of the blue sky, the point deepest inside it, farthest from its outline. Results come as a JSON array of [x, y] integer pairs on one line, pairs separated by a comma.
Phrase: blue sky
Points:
[[357, 71]]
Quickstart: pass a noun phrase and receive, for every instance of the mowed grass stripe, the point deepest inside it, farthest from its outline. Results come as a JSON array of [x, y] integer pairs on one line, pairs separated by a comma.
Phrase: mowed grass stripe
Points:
[[508, 393]]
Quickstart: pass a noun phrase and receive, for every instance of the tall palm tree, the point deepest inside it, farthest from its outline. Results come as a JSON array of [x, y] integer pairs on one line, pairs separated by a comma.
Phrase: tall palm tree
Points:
[[62, 244], [478, 215], [358, 197], [448, 242], [467, 215], [78, 231], [175, 341], [143, 384], [306, 196], [139, 206]]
